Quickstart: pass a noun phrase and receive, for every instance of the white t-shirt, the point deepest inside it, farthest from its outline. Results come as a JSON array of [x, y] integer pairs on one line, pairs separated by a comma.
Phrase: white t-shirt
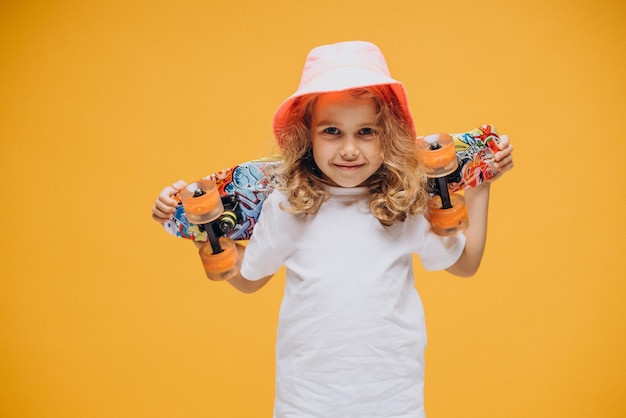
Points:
[[351, 332]]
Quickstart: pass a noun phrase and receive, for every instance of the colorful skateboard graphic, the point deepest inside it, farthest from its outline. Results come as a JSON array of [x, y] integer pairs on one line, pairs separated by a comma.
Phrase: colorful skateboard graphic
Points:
[[475, 152], [244, 187], [453, 163]]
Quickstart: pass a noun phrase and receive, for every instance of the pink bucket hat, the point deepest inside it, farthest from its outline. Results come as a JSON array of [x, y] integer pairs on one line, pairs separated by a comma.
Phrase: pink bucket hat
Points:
[[342, 66]]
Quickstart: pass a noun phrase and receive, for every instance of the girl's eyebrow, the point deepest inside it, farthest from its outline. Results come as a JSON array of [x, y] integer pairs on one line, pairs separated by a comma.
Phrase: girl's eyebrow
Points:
[[324, 123], [330, 123]]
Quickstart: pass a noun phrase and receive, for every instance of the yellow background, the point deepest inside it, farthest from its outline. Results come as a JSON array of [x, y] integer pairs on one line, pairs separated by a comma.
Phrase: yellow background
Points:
[[103, 103]]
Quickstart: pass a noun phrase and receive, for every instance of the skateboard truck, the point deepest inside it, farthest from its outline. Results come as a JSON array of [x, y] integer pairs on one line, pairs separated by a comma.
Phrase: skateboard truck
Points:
[[204, 207], [446, 211]]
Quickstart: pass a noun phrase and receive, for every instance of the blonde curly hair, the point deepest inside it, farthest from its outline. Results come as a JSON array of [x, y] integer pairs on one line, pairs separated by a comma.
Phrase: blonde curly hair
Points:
[[396, 190]]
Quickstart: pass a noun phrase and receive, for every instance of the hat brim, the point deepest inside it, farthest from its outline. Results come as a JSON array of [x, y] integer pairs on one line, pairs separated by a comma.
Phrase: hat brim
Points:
[[340, 79]]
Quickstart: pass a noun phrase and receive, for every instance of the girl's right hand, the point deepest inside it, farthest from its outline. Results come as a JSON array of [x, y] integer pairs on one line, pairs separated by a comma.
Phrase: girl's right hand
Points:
[[165, 204]]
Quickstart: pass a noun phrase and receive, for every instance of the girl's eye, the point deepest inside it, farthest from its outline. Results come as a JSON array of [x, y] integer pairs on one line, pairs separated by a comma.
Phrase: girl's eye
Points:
[[367, 131], [332, 131]]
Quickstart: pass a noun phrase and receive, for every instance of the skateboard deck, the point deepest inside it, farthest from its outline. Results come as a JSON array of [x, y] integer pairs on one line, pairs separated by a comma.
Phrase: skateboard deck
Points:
[[244, 187], [475, 151]]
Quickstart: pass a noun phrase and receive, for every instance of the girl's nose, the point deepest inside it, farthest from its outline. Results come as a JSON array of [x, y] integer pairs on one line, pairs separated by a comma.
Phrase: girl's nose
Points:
[[349, 148]]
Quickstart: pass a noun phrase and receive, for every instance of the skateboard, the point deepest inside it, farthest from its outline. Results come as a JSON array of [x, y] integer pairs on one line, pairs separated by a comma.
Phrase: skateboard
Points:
[[225, 206], [242, 189], [454, 163], [219, 210]]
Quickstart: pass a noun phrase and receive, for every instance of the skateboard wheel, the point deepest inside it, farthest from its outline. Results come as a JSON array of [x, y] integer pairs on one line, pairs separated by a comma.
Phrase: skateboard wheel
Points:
[[447, 222], [202, 202], [221, 266], [436, 152]]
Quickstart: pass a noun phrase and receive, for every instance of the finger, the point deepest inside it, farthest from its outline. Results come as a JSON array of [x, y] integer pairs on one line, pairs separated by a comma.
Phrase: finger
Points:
[[503, 142], [161, 215], [165, 207], [159, 219], [504, 153], [505, 164], [504, 158], [179, 185], [160, 212], [166, 196]]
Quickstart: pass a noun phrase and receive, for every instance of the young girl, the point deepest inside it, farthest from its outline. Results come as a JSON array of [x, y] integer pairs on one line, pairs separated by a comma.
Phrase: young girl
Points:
[[345, 219]]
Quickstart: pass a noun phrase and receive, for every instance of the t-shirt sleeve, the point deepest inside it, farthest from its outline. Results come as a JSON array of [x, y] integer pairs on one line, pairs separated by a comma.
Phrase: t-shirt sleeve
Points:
[[262, 258], [439, 253]]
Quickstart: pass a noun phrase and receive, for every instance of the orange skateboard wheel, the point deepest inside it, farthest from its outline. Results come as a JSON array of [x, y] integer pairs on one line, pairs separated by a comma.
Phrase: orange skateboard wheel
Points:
[[202, 202], [223, 265], [447, 222], [437, 153]]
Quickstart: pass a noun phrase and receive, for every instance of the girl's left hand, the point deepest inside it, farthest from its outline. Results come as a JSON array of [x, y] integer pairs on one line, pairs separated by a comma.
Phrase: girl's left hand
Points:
[[503, 158]]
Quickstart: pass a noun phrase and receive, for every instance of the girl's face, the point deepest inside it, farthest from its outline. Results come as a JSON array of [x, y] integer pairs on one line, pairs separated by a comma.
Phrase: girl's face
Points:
[[345, 139]]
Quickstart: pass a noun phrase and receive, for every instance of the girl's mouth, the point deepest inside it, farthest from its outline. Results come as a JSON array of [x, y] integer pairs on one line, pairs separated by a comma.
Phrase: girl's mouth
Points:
[[349, 167]]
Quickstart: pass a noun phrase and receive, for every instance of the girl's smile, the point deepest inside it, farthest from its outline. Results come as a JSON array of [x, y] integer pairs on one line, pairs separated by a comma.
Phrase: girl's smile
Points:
[[345, 141]]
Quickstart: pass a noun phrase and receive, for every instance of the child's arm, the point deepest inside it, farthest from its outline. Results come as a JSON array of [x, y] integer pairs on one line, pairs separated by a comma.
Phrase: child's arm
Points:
[[477, 202]]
